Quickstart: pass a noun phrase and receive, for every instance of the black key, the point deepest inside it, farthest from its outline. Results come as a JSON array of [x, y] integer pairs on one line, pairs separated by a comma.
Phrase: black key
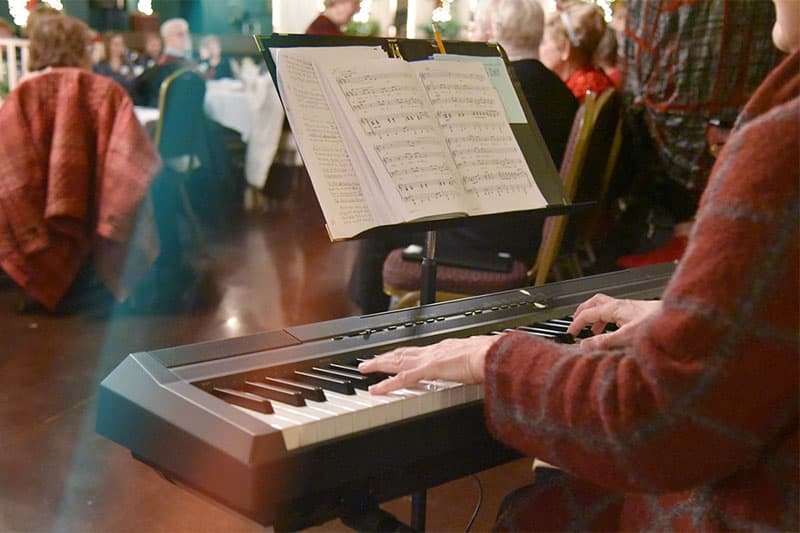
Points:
[[358, 379], [372, 377], [341, 386], [243, 399], [279, 394], [309, 392], [552, 324], [538, 332], [546, 327], [564, 338]]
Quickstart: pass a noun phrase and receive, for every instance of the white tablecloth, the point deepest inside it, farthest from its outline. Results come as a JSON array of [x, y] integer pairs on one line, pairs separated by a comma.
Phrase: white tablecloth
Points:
[[251, 108]]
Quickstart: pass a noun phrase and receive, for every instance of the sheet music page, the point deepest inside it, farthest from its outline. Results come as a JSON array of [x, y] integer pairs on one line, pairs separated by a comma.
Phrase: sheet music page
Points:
[[493, 169], [336, 182], [384, 110]]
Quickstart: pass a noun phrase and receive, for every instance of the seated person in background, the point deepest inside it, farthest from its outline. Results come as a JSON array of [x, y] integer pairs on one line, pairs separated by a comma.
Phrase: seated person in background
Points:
[[337, 13], [606, 57], [517, 25], [684, 64], [40, 12], [76, 169], [151, 51], [571, 35], [177, 55], [117, 64], [686, 417], [58, 41], [213, 65]]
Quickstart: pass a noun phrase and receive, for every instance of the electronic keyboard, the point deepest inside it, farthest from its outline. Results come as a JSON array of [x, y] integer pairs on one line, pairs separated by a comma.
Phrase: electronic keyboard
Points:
[[279, 425]]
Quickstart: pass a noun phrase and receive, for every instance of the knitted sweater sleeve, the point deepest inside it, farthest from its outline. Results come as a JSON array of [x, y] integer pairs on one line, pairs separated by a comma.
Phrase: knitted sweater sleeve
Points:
[[710, 382]]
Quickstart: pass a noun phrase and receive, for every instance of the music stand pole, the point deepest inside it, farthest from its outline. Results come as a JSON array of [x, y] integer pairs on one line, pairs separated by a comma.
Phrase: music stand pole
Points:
[[427, 295], [428, 280]]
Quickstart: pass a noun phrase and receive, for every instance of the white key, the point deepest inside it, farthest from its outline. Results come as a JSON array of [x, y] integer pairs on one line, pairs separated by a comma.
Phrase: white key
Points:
[[344, 414]]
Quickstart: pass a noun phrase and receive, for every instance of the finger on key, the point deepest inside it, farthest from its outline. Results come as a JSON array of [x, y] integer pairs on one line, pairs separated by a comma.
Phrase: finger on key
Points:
[[403, 379], [391, 362]]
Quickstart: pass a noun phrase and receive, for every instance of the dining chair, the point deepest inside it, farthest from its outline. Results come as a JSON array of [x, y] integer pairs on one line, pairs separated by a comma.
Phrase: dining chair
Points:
[[73, 186], [586, 173], [589, 148], [181, 140]]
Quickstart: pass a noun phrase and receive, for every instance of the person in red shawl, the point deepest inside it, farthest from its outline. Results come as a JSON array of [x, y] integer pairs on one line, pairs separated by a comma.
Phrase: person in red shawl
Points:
[[571, 35], [337, 14], [686, 417]]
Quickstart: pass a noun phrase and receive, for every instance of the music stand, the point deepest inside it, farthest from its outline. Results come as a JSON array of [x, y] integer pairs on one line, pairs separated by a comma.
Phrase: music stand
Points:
[[527, 135]]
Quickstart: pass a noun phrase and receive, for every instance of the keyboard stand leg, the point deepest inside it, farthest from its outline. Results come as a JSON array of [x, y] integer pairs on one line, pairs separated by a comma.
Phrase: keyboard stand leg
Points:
[[367, 516], [418, 504]]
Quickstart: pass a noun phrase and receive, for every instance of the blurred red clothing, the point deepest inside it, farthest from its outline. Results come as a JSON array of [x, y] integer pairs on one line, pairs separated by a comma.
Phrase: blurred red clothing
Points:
[[73, 177], [588, 79], [322, 25]]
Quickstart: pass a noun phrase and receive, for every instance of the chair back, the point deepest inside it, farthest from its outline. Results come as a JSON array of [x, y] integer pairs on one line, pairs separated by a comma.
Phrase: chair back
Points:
[[181, 119], [14, 61], [585, 172]]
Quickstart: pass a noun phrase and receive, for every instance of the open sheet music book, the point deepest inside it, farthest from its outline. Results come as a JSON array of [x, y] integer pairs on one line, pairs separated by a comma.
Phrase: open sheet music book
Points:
[[387, 141]]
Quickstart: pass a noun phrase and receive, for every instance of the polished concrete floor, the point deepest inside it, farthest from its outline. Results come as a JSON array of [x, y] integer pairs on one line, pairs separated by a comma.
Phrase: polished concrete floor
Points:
[[276, 268]]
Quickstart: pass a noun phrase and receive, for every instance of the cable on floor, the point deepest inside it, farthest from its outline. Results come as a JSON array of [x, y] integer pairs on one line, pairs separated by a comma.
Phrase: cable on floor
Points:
[[477, 505]]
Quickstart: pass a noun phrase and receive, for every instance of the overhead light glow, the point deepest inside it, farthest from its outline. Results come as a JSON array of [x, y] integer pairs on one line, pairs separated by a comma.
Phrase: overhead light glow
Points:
[[19, 10], [145, 6], [363, 13]]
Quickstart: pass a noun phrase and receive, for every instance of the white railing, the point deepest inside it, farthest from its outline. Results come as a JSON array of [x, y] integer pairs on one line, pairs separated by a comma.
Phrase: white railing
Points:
[[14, 60]]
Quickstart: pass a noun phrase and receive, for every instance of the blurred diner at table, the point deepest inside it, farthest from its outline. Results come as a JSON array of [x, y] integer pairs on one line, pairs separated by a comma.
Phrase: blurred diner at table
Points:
[[117, 64], [337, 13], [151, 51], [213, 65], [177, 54]]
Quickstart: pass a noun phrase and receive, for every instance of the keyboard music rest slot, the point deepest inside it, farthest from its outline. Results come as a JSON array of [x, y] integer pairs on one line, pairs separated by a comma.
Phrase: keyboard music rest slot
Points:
[[359, 381], [279, 394], [243, 399], [328, 383], [309, 392]]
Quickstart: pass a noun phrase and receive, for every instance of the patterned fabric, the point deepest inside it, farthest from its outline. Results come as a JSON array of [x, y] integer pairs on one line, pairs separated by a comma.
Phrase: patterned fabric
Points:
[[73, 175], [406, 275], [695, 423], [688, 61], [588, 79]]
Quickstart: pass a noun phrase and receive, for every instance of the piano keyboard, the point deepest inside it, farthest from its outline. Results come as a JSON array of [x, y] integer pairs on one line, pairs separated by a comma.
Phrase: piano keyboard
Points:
[[275, 425], [339, 404]]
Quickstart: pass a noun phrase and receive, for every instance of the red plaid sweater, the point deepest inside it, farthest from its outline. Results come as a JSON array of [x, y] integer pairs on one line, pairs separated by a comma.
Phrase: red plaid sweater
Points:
[[694, 426], [75, 166]]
